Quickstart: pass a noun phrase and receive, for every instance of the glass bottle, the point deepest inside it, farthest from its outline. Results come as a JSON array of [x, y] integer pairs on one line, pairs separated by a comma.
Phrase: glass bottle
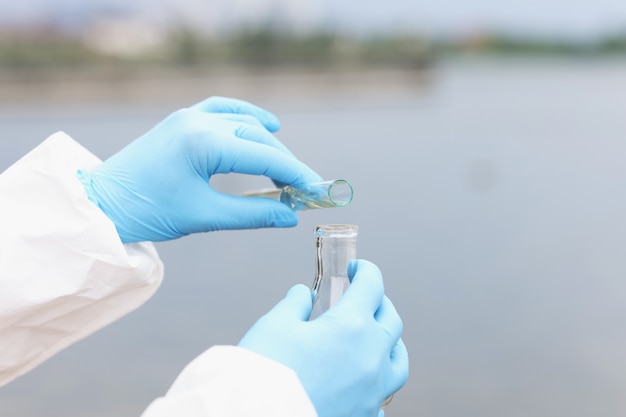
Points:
[[335, 247]]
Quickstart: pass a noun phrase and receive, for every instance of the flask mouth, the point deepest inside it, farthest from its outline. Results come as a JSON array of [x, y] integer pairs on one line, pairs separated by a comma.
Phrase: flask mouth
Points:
[[337, 230]]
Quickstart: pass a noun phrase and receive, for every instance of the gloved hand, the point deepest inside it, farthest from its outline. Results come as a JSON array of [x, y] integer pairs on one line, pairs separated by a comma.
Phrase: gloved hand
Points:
[[349, 359], [157, 188]]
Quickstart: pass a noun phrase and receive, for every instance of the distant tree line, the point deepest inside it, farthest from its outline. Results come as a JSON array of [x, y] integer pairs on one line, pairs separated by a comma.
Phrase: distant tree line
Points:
[[508, 44], [265, 47]]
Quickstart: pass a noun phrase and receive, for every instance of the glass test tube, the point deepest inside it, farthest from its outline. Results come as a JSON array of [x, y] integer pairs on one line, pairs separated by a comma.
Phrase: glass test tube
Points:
[[335, 193]]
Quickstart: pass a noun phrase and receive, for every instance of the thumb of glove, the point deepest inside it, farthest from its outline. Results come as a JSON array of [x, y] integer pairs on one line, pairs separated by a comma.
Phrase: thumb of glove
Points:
[[297, 303]]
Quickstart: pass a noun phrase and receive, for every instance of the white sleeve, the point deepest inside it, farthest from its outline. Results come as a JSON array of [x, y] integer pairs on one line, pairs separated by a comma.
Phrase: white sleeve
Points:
[[64, 272], [229, 381]]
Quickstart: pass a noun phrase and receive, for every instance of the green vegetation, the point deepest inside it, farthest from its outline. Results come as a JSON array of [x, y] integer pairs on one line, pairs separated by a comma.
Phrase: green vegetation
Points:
[[265, 47], [17, 52], [255, 49]]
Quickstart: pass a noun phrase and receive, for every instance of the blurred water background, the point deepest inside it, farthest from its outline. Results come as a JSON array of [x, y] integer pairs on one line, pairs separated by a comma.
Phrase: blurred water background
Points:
[[489, 189]]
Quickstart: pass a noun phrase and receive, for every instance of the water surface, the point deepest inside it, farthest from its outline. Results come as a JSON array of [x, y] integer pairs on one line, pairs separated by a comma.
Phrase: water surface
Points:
[[493, 202]]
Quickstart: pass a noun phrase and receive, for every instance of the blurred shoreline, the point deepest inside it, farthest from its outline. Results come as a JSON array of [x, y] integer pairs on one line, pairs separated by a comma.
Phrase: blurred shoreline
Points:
[[73, 86]]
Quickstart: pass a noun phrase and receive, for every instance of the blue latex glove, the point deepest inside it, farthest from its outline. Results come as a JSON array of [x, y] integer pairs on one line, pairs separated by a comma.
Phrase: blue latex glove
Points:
[[157, 188], [349, 359]]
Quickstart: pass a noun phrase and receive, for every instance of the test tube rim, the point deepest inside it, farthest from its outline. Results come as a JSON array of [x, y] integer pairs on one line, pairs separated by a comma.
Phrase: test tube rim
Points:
[[332, 184]]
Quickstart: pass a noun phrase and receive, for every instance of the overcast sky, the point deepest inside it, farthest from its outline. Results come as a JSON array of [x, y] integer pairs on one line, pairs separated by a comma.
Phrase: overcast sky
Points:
[[569, 17]]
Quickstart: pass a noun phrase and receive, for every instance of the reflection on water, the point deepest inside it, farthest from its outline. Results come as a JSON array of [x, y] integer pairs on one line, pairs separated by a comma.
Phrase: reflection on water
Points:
[[493, 204]]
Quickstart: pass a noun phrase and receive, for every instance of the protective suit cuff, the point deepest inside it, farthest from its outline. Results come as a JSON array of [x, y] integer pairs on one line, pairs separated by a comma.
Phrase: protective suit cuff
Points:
[[230, 381], [64, 272]]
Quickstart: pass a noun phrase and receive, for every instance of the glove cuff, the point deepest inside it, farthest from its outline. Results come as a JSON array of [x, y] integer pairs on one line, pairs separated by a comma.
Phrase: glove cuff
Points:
[[85, 180]]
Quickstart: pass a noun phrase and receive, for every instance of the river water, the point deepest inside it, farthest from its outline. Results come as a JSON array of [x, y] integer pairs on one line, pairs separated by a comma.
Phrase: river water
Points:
[[493, 201]]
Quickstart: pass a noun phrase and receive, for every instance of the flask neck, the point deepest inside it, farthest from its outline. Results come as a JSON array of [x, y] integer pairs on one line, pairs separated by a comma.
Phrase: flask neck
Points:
[[335, 247]]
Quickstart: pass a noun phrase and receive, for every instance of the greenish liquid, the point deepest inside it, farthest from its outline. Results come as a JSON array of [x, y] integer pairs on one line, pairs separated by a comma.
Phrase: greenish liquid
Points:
[[299, 200]]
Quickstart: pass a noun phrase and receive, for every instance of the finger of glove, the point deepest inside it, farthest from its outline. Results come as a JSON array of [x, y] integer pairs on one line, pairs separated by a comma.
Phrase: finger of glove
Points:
[[297, 304], [399, 374], [241, 126], [381, 413], [237, 119], [246, 157], [235, 106], [390, 320], [260, 135], [366, 291]]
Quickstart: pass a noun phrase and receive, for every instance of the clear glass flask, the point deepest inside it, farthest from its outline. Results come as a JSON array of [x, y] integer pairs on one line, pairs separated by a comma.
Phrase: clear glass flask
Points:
[[325, 194], [335, 246]]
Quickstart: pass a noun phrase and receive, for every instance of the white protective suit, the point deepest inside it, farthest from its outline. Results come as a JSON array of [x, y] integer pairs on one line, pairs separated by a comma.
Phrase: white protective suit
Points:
[[64, 274]]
